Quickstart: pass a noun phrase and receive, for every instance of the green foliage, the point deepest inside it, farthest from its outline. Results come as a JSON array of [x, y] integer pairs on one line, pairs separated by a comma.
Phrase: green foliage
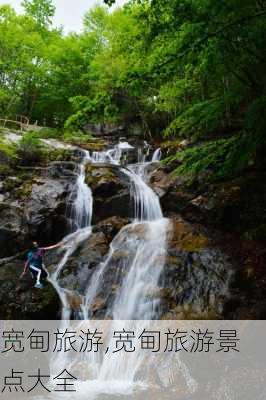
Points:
[[109, 2], [219, 158], [76, 137], [30, 150], [47, 133], [179, 68], [197, 120], [7, 149], [40, 10]]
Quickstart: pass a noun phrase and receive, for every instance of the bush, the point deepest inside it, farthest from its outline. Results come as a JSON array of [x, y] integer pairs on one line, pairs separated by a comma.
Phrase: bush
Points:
[[221, 158], [76, 137], [7, 150], [47, 133], [30, 150]]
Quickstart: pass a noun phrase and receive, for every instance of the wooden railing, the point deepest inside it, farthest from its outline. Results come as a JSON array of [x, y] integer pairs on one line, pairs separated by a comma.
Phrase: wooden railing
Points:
[[21, 121]]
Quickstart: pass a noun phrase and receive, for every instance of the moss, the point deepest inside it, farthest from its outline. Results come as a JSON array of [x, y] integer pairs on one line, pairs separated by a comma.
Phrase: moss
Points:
[[5, 170], [24, 190], [11, 183], [58, 155], [30, 150], [97, 145], [47, 133], [8, 150], [96, 175]]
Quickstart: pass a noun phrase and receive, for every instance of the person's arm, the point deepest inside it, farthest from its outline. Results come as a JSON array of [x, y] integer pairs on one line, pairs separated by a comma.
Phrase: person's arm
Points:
[[55, 246], [25, 269]]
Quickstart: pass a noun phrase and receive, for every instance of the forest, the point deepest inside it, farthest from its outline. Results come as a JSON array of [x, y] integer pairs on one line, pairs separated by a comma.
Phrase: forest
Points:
[[181, 69]]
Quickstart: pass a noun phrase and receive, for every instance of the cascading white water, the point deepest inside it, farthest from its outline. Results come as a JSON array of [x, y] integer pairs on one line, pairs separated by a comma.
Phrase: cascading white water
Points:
[[143, 269], [111, 156], [144, 244], [157, 155], [82, 207], [147, 204], [81, 213]]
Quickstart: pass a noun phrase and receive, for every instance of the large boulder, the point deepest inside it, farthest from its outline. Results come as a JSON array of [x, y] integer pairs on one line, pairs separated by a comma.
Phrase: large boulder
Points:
[[111, 195], [160, 182], [81, 265], [45, 210], [33, 205], [104, 129], [197, 275], [103, 180]]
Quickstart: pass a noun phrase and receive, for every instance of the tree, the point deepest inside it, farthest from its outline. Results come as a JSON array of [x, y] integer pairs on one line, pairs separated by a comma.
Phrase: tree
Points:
[[41, 10]]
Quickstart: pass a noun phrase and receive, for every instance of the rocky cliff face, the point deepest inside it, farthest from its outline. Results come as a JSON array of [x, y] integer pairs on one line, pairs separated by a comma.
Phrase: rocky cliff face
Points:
[[35, 204]]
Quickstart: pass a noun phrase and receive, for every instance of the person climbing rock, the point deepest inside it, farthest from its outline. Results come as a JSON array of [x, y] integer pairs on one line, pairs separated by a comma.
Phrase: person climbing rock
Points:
[[35, 262]]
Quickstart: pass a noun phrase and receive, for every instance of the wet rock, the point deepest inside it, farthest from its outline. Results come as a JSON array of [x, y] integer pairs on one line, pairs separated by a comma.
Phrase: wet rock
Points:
[[13, 232], [103, 180], [74, 300], [187, 237], [90, 253], [119, 204], [61, 169], [110, 192], [160, 182], [20, 300], [81, 265], [218, 206], [45, 209], [176, 198], [111, 226], [196, 277], [98, 304], [103, 129]]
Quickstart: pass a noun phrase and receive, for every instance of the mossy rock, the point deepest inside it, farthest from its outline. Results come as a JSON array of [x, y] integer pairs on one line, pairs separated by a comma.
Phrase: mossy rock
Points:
[[5, 170], [59, 155], [102, 180], [187, 238], [24, 190], [93, 146], [11, 183]]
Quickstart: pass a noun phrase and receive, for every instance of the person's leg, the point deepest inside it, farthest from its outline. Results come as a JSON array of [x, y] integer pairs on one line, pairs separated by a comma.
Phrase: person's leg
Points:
[[38, 272]]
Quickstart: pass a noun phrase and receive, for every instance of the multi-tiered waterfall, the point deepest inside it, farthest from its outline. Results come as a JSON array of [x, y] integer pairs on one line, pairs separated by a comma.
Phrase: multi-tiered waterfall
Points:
[[136, 275], [145, 254]]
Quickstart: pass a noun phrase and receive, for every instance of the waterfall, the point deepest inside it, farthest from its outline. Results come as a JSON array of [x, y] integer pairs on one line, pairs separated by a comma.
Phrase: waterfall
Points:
[[143, 266], [143, 243], [82, 208], [157, 155], [147, 204], [135, 260], [81, 213], [113, 155]]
